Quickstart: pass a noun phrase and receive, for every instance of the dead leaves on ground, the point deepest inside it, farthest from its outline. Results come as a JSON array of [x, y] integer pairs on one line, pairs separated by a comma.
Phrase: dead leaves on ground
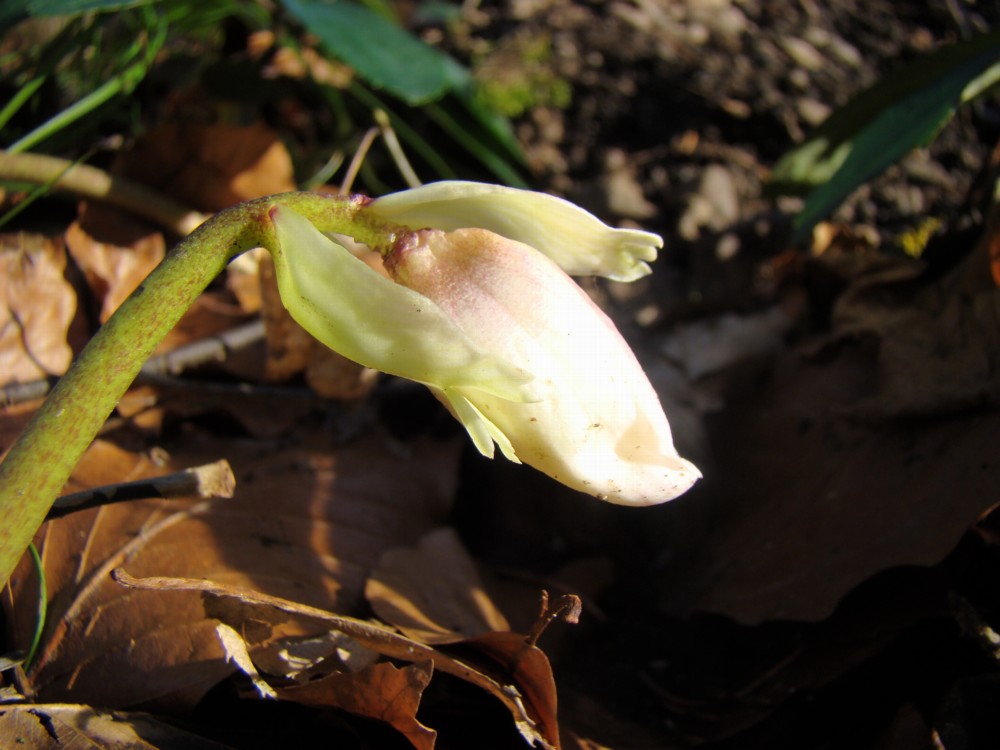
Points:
[[504, 664], [891, 420], [309, 522], [311, 525], [851, 506], [36, 310], [862, 454]]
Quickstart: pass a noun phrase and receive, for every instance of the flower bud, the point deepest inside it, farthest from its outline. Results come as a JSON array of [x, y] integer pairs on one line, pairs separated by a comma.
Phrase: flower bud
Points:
[[597, 425], [480, 309]]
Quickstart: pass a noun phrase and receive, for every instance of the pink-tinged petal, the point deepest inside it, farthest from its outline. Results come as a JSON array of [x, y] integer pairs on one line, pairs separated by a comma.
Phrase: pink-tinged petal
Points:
[[598, 426]]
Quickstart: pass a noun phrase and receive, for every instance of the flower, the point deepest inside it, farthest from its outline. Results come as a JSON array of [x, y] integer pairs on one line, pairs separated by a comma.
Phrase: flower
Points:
[[521, 356]]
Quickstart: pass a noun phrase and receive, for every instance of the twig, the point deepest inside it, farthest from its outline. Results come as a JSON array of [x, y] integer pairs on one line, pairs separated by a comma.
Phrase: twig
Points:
[[19, 393], [210, 349], [210, 481], [91, 182]]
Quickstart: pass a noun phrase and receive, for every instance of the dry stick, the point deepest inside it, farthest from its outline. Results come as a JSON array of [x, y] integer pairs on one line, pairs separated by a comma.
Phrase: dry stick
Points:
[[211, 481], [91, 182], [209, 349]]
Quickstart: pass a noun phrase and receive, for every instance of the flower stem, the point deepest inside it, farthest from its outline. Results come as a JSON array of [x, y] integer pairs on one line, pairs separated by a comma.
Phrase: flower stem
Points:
[[41, 461]]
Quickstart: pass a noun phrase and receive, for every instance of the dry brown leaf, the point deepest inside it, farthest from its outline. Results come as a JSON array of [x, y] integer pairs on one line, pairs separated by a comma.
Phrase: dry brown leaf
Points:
[[877, 450], [37, 305], [938, 350], [432, 592], [114, 251], [309, 522], [381, 691], [71, 727], [211, 166], [809, 502], [529, 669], [502, 664]]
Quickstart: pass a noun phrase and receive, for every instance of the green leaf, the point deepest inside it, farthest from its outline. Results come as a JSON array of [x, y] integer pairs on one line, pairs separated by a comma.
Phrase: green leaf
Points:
[[384, 54], [903, 111], [12, 11]]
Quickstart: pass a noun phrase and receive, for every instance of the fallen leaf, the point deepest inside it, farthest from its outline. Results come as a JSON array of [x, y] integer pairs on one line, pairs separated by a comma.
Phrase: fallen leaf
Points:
[[381, 691], [489, 662], [529, 668], [308, 522], [809, 501], [432, 592], [37, 306], [114, 251], [873, 449], [210, 166], [72, 727], [938, 350]]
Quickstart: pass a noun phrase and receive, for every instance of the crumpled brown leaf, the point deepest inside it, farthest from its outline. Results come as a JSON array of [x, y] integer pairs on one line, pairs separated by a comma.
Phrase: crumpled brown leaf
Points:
[[37, 305], [210, 166], [503, 664]]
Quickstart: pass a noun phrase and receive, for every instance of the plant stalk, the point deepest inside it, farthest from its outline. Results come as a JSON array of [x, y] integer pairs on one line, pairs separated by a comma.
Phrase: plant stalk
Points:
[[38, 465]]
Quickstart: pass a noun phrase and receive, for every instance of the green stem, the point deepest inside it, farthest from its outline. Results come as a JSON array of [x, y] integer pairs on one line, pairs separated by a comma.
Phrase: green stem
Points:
[[40, 462]]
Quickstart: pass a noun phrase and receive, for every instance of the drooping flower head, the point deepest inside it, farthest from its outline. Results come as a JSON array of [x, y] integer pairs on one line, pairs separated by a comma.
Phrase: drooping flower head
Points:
[[481, 310]]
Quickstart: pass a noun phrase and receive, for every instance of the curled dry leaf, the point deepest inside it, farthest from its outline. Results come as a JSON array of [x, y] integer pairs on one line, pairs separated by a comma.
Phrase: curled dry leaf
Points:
[[308, 522], [37, 305], [503, 664]]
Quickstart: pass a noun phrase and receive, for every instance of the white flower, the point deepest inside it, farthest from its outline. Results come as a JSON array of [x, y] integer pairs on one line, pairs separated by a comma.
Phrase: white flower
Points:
[[500, 333]]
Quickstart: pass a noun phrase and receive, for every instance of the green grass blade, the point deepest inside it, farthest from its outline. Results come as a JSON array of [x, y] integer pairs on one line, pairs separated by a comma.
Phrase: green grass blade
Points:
[[42, 609], [874, 130]]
